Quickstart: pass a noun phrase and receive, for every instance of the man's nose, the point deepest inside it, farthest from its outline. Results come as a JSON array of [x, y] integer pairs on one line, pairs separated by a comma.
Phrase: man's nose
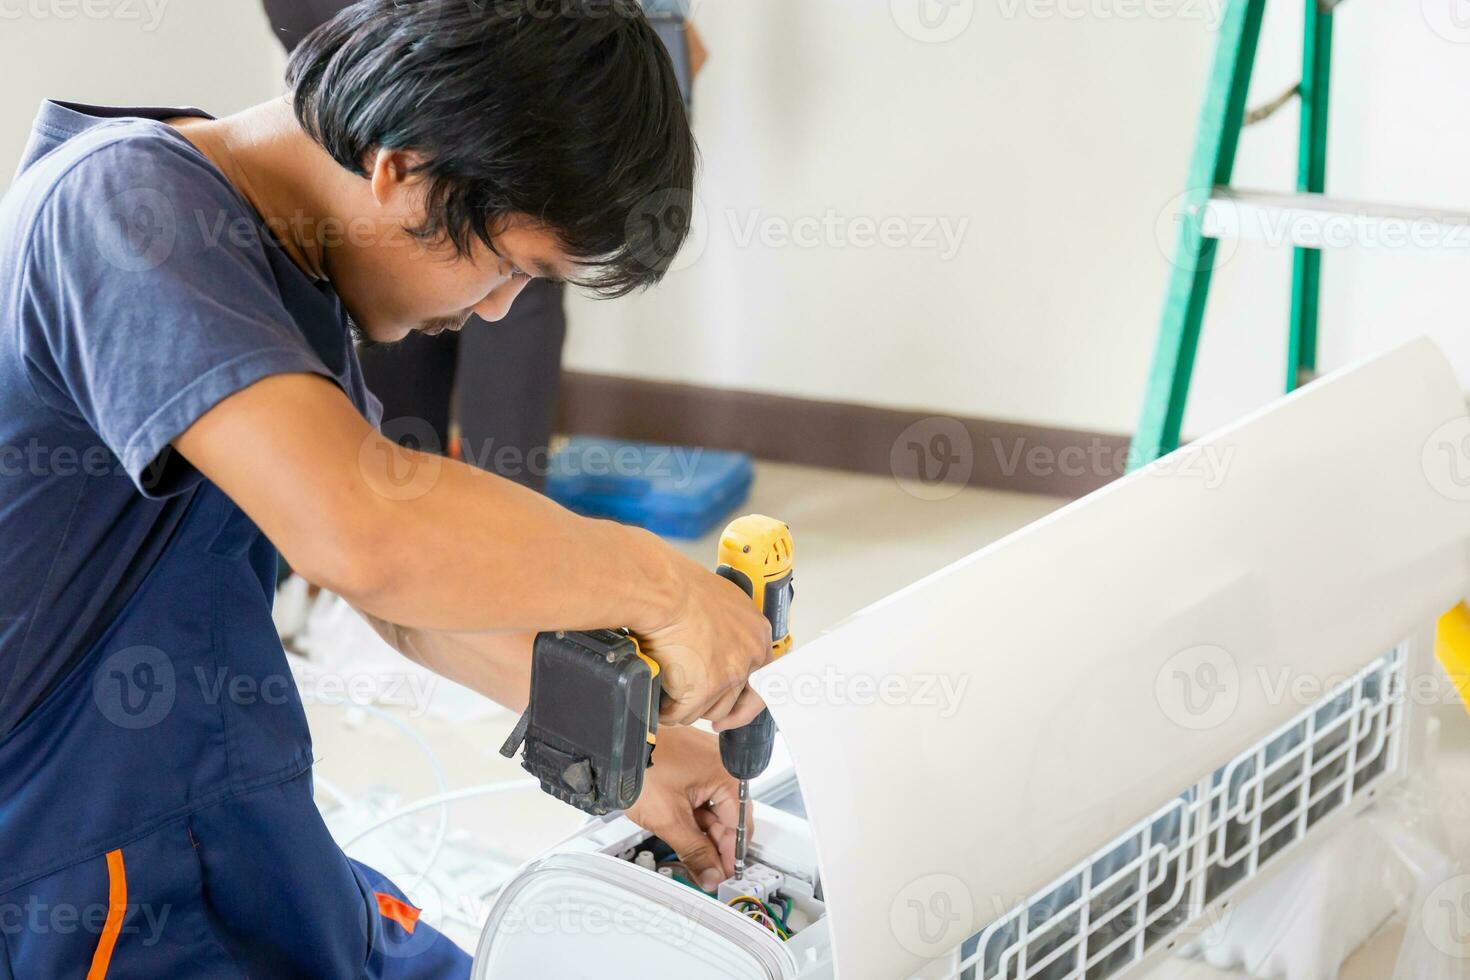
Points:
[[498, 303]]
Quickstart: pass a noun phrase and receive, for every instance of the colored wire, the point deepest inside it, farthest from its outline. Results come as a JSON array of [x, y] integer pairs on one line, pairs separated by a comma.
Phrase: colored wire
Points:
[[760, 912]]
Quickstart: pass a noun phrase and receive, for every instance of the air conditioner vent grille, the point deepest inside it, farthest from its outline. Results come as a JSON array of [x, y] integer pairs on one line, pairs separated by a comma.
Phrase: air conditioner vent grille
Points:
[[1177, 867]]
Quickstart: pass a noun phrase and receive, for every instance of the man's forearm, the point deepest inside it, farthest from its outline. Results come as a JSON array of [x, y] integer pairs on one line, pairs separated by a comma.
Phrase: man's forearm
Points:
[[417, 539], [497, 665], [476, 551], [433, 544]]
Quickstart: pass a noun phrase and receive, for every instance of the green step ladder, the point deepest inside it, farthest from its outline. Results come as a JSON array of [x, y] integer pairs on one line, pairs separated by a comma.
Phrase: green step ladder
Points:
[[1211, 208]]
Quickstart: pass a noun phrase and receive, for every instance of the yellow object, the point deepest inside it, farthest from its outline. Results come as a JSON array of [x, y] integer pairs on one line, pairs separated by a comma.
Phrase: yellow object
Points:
[[1452, 647], [653, 668], [756, 553]]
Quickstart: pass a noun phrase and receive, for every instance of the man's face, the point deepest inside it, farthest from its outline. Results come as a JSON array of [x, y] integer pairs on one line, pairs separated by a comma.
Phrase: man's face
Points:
[[394, 284]]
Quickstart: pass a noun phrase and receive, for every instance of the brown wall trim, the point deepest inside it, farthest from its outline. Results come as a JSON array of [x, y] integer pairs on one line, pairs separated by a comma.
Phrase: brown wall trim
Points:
[[920, 446]]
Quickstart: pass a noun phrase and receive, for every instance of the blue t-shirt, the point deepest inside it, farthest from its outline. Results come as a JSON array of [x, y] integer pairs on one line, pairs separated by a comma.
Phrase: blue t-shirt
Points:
[[138, 289]]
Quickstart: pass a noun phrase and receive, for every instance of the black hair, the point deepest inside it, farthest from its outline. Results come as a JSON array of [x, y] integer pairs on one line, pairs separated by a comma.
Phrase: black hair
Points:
[[567, 111]]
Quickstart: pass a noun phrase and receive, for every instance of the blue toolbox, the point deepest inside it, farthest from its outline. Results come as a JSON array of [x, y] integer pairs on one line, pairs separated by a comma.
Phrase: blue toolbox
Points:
[[674, 491]]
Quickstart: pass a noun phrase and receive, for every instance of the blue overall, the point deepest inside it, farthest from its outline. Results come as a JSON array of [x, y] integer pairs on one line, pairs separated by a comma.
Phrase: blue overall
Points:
[[156, 808]]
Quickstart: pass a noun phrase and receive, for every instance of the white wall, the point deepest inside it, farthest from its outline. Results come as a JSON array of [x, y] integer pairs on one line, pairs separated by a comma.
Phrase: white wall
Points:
[[1062, 139], [214, 54], [1055, 132]]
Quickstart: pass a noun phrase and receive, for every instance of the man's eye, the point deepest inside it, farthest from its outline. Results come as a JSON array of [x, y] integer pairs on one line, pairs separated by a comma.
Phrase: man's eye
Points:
[[518, 273]]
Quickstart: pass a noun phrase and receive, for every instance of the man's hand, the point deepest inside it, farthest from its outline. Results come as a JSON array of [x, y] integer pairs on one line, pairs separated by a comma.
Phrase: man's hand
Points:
[[707, 648], [692, 803]]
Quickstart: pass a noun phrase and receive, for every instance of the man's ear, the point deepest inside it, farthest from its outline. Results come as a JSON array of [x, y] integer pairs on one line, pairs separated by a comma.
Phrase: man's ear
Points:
[[391, 172]]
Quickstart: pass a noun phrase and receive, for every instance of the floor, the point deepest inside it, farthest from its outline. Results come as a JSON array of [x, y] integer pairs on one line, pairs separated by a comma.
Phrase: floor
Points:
[[858, 539]]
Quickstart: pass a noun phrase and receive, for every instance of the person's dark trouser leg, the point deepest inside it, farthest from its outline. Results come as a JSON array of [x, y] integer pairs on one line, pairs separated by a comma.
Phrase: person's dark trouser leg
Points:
[[414, 379], [509, 377]]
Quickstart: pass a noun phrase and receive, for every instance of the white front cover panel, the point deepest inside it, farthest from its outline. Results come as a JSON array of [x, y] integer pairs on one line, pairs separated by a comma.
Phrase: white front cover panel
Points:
[[968, 738], [573, 916]]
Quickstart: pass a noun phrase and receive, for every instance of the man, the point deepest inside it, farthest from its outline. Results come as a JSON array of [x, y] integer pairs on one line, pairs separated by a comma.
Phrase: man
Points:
[[180, 396], [508, 377]]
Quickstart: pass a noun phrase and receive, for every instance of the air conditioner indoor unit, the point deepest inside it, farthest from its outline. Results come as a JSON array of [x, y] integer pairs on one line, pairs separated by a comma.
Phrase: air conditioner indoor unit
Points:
[[1168, 690]]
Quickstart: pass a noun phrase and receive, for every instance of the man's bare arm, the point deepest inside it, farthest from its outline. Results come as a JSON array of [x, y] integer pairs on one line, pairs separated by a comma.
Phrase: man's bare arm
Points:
[[497, 665], [430, 543]]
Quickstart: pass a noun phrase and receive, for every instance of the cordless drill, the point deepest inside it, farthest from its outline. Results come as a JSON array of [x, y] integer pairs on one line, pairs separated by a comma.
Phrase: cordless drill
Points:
[[756, 553], [591, 726]]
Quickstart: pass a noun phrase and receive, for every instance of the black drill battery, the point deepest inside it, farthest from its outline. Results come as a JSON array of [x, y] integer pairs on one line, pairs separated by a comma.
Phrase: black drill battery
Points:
[[592, 721]]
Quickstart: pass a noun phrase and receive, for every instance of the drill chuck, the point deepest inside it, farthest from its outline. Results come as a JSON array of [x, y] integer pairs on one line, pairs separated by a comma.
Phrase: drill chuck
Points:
[[746, 752]]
